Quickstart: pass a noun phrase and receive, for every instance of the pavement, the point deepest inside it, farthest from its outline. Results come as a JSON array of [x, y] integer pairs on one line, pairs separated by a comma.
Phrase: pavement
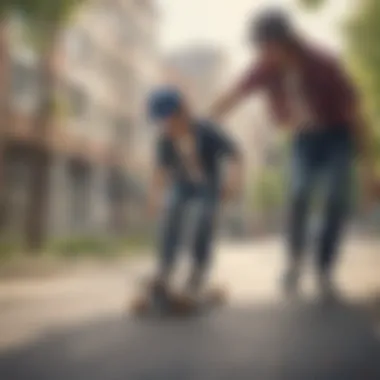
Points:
[[76, 326]]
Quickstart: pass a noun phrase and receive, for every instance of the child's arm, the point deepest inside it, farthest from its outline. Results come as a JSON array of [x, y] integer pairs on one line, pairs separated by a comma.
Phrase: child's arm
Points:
[[234, 177], [227, 148], [156, 190]]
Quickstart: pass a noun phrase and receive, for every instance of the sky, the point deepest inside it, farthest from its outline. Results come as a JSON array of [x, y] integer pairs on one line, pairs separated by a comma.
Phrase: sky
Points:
[[222, 22]]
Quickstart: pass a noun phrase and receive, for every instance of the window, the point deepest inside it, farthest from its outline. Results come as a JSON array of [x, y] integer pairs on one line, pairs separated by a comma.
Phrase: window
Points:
[[145, 5], [100, 115], [79, 45], [24, 86], [122, 129], [126, 31], [126, 86], [147, 40], [99, 122], [79, 189], [78, 101]]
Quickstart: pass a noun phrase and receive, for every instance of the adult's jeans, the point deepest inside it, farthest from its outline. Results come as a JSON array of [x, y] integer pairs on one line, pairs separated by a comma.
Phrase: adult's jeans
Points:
[[324, 156]]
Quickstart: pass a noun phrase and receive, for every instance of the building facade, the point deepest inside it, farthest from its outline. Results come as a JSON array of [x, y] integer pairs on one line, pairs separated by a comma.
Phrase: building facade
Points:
[[200, 71], [107, 62]]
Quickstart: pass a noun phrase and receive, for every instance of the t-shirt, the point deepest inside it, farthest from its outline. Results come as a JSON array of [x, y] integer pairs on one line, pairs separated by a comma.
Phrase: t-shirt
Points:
[[186, 148], [198, 159], [301, 112], [327, 90]]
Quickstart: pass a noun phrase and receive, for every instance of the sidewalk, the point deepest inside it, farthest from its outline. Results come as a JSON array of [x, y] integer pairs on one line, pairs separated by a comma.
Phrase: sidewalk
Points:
[[77, 322]]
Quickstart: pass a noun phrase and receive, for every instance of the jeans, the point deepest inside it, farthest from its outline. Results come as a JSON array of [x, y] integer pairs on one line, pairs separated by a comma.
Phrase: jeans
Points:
[[325, 156], [180, 199]]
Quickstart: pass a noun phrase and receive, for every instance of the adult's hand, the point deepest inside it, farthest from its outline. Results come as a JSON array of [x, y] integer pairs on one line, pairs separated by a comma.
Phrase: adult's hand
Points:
[[232, 188], [152, 207], [371, 191]]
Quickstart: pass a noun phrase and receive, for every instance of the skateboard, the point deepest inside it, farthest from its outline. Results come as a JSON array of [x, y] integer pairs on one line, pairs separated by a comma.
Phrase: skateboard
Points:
[[176, 304]]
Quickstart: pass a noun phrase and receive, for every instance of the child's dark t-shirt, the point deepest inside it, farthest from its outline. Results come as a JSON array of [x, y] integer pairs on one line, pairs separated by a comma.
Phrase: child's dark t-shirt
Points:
[[211, 146]]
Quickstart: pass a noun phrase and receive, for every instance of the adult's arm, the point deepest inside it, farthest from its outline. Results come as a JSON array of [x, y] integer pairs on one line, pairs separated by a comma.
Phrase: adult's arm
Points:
[[252, 80]]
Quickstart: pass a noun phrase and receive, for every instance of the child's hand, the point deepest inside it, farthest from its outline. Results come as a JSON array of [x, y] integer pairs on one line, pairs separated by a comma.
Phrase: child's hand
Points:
[[231, 190], [152, 207], [234, 181], [371, 193], [155, 193]]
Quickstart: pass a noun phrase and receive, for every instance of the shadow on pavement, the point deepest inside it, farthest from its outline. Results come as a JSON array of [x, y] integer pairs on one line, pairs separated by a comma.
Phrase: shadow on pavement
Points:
[[299, 341]]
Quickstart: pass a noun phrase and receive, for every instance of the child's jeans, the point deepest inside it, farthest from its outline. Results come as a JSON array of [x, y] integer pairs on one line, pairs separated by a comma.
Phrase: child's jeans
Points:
[[176, 215], [325, 156]]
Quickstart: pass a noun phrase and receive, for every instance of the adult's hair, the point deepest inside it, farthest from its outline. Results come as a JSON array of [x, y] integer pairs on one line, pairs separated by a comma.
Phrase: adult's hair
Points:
[[271, 26]]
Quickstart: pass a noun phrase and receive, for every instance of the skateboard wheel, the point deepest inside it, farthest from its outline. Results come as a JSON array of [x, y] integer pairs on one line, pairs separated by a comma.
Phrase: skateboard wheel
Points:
[[182, 305], [217, 295]]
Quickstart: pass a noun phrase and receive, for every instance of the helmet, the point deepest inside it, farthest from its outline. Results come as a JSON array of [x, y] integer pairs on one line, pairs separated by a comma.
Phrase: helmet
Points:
[[164, 102]]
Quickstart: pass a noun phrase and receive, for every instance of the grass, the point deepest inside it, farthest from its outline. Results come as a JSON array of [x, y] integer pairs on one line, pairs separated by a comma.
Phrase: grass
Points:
[[9, 248], [78, 247], [59, 255], [102, 248]]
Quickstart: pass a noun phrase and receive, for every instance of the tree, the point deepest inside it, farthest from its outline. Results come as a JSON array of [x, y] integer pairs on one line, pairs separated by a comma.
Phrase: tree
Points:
[[4, 69], [7, 9], [44, 20], [312, 4], [268, 192]]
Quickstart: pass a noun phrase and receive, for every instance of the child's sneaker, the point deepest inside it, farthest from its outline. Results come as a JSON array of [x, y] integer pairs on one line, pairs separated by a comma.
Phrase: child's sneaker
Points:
[[290, 281], [327, 289], [159, 297]]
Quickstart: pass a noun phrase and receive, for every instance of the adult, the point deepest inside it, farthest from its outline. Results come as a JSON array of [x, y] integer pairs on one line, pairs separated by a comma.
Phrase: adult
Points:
[[308, 91]]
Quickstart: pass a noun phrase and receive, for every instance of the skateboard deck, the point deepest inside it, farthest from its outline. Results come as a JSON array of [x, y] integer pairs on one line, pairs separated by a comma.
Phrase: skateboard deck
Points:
[[178, 304]]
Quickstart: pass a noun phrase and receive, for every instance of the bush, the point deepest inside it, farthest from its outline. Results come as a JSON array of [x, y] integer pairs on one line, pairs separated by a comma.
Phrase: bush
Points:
[[268, 193], [9, 248], [98, 247], [84, 246], [136, 242]]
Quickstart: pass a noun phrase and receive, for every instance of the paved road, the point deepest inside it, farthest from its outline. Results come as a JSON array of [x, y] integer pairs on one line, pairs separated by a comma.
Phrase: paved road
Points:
[[73, 327]]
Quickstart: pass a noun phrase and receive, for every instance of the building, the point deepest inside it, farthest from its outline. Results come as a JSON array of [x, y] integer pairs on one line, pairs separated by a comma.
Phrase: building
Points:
[[200, 71], [107, 62]]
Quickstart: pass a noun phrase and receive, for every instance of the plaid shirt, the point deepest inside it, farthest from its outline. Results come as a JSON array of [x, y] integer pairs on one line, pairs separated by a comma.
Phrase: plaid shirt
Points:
[[327, 91]]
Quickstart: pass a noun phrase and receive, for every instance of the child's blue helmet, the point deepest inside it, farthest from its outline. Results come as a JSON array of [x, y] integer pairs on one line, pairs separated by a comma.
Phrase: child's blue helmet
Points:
[[164, 102]]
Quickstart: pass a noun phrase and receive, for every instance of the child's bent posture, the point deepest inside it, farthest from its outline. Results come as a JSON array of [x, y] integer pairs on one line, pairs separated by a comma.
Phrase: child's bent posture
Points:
[[190, 168]]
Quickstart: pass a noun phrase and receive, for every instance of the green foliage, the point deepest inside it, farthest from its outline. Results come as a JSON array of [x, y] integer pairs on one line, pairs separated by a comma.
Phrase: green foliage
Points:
[[9, 247], [7, 6], [362, 33], [105, 247], [78, 247], [84, 246], [47, 12], [61, 108], [44, 18], [268, 193], [311, 4], [268, 190]]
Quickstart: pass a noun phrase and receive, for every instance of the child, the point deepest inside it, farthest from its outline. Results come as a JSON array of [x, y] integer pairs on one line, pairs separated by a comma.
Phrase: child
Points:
[[189, 168]]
